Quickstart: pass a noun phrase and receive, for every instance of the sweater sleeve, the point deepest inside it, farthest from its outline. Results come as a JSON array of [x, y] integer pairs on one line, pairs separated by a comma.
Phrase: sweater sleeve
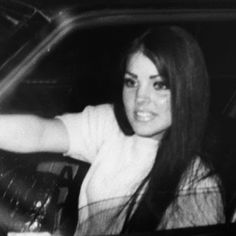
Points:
[[88, 130]]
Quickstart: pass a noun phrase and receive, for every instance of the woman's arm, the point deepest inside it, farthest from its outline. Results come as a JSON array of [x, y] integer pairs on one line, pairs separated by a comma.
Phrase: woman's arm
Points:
[[29, 133]]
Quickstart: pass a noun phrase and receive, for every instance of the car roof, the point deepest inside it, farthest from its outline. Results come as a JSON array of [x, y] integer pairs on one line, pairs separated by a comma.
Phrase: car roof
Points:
[[50, 7], [45, 4]]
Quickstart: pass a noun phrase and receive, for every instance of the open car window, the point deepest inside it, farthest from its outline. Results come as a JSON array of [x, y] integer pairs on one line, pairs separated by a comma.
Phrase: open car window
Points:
[[84, 67], [54, 70]]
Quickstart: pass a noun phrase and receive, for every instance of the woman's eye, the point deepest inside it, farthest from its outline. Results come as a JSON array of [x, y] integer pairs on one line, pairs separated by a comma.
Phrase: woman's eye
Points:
[[130, 83], [160, 85]]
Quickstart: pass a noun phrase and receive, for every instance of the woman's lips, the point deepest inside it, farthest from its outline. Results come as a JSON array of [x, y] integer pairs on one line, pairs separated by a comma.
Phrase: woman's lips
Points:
[[144, 116]]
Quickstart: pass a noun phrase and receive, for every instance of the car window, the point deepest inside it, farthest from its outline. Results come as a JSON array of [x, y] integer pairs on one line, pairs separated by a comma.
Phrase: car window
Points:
[[83, 68]]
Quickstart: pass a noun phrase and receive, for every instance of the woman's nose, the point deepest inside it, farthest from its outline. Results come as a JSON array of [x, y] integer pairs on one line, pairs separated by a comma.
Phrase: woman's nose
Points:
[[143, 95]]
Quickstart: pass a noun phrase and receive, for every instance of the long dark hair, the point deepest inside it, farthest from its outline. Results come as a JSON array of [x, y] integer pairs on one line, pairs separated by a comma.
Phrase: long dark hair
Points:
[[180, 62]]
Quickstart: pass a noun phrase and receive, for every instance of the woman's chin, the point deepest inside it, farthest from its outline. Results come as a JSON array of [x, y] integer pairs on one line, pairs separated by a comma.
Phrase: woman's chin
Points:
[[147, 132]]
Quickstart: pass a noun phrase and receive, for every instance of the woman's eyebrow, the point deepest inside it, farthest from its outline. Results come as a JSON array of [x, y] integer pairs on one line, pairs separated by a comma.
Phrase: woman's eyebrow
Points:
[[131, 74], [154, 76], [135, 76]]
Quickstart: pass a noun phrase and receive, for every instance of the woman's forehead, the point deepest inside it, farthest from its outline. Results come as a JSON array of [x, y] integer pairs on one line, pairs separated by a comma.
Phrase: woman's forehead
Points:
[[138, 63]]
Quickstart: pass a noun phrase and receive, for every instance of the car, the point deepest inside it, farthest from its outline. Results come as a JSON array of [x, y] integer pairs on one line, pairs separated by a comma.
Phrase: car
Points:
[[58, 56]]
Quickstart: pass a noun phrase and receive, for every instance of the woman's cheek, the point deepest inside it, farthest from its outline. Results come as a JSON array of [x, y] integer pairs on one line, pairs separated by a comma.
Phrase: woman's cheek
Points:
[[128, 99], [164, 100]]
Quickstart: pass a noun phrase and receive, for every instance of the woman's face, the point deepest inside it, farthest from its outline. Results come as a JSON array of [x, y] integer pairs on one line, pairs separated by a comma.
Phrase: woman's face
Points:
[[147, 100]]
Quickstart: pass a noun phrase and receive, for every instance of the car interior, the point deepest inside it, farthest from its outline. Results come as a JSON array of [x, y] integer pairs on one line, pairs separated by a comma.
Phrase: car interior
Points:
[[84, 68]]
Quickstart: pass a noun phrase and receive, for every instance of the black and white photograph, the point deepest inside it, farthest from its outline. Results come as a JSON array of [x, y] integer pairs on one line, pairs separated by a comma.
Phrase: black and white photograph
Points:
[[117, 117]]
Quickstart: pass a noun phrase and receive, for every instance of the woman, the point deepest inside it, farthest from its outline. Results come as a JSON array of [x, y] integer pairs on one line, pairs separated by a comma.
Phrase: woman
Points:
[[182, 190], [147, 171]]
